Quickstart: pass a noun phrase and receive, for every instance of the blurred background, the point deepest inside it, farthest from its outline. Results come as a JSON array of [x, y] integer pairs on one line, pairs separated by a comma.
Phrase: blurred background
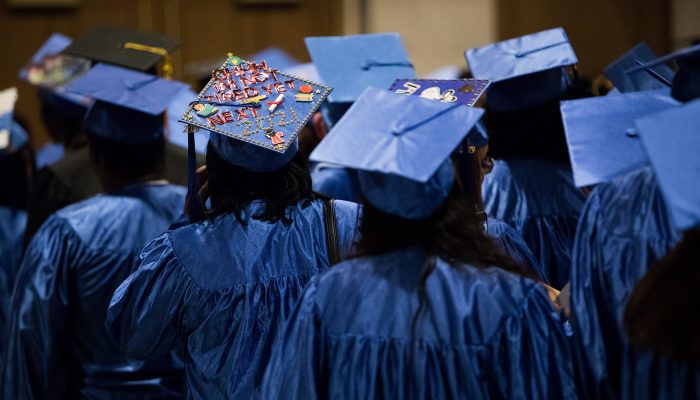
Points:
[[436, 32]]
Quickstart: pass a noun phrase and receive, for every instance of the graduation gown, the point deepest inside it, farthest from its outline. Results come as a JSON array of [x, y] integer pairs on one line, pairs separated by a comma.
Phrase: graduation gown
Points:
[[57, 344], [224, 290], [511, 243], [538, 198], [72, 179], [12, 223], [624, 228], [335, 182], [485, 334]]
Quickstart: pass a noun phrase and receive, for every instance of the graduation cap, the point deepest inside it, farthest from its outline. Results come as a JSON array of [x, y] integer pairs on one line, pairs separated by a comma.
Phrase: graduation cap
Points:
[[351, 63], [657, 77], [460, 91], [12, 137], [255, 112], [686, 82], [601, 135], [404, 168], [672, 142], [177, 132], [126, 48], [129, 105], [526, 71], [275, 56], [56, 43]]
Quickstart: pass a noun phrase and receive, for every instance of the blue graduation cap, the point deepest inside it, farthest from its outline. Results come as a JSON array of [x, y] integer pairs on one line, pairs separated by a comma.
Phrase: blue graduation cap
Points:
[[255, 112], [275, 56], [657, 77], [460, 91], [351, 63], [672, 142], [12, 136], [129, 105], [49, 70], [176, 130], [686, 83], [601, 135], [306, 71], [404, 169], [526, 71]]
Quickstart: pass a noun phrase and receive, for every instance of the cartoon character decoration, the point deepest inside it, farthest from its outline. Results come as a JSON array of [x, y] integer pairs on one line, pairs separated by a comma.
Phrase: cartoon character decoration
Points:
[[204, 110]]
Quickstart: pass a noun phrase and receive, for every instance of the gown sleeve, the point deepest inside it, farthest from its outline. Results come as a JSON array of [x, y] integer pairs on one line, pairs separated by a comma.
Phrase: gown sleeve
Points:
[[38, 356], [151, 309], [295, 365], [530, 356], [510, 242]]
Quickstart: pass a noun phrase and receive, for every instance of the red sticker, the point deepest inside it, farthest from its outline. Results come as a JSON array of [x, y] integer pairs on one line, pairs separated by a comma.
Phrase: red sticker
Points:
[[306, 89]]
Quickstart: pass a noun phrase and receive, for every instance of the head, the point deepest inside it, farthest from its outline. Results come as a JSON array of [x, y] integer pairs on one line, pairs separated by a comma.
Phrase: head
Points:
[[661, 312], [232, 187], [62, 118], [118, 164]]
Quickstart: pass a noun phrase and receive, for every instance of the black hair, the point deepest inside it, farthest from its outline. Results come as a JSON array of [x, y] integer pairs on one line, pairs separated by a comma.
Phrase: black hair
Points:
[[16, 176], [536, 132], [661, 314], [232, 187], [128, 161]]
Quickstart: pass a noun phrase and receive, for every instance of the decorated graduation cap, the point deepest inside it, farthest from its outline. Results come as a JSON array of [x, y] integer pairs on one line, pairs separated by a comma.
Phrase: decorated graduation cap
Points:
[[351, 63], [126, 48], [176, 130], [458, 91], [401, 147], [526, 71], [686, 82], [672, 141], [601, 135], [255, 112], [50, 71], [657, 77], [129, 105], [12, 137]]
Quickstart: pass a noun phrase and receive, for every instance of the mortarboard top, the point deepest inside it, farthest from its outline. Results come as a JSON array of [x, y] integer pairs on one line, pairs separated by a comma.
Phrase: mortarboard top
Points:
[[177, 132], [129, 105], [306, 71], [459, 91], [404, 167], [351, 63], [657, 77], [275, 56], [671, 139], [12, 136], [526, 71], [686, 82], [255, 112], [126, 48], [55, 44], [601, 136]]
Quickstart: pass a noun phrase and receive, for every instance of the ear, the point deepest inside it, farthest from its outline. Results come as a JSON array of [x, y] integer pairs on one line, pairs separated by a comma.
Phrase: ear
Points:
[[319, 125]]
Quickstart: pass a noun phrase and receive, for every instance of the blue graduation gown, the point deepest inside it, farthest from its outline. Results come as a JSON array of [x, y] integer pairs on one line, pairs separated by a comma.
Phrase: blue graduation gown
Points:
[[538, 198], [624, 228], [484, 334], [57, 345], [511, 243], [225, 291], [335, 182], [12, 224]]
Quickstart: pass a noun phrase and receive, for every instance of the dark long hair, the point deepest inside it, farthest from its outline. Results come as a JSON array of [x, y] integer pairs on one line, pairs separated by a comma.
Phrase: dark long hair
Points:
[[661, 314], [453, 233], [16, 176], [232, 188]]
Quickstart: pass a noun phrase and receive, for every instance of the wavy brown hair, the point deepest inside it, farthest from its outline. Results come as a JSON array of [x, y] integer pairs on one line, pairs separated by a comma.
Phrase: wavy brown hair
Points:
[[661, 314]]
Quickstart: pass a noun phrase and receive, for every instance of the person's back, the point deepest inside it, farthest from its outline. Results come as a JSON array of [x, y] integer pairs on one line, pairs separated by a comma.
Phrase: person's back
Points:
[[71, 268], [357, 322], [225, 289], [537, 198]]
